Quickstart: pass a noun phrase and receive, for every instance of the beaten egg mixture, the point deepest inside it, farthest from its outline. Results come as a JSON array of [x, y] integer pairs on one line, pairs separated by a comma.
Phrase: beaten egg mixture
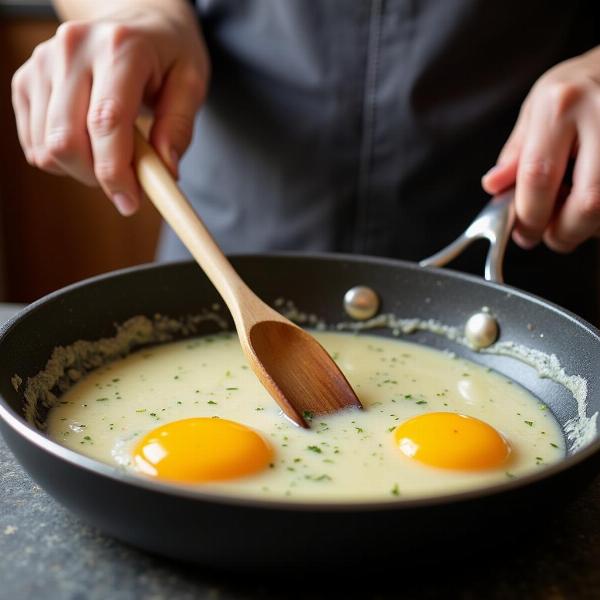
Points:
[[192, 412]]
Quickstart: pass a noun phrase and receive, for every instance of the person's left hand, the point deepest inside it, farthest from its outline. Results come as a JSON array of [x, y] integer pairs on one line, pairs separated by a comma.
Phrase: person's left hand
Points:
[[559, 121]]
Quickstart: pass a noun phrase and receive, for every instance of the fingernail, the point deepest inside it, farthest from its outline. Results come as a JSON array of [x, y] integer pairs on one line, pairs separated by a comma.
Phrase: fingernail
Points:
[[492, 172], [124, 204], [527, 243]]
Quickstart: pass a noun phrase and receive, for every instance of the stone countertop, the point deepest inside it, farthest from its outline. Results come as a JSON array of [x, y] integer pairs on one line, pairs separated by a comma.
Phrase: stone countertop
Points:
[[47, 552]]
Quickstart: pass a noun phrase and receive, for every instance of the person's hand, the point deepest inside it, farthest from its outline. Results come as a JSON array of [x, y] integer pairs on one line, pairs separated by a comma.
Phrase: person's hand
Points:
[[559, 121], [76, 99]]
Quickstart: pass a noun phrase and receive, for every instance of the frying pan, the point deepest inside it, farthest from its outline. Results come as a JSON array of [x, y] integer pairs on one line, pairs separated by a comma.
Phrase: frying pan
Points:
[[219, 531]]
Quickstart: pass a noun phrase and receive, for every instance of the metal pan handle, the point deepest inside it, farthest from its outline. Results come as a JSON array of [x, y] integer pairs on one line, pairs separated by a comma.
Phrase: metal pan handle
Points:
[[494, 223]]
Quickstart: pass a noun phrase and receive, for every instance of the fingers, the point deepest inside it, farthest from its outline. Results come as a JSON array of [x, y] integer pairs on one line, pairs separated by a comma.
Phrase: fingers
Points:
[[117, 92], [542, 163], [38, 107], [579, 218], [504, 174], [20, 102], [181, 96], [66, 137]]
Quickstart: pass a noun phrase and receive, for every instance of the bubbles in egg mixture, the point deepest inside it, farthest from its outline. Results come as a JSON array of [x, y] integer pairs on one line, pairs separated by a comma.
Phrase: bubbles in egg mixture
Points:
[[348, 456]]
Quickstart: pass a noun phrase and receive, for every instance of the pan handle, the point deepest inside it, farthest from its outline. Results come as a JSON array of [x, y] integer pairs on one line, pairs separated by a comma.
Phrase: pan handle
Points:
[[494, 223]]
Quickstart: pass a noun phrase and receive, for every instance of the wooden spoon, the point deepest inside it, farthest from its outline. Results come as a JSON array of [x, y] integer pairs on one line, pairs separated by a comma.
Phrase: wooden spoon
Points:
[[293, 367]]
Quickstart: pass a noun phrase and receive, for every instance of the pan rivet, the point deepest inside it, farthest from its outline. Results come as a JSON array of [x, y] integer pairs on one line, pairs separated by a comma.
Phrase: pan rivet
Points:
[[361, 302], [481, 330]]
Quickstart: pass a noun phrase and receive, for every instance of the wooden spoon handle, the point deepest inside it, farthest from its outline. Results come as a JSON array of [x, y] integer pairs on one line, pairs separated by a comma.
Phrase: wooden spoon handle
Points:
[[163, 191]]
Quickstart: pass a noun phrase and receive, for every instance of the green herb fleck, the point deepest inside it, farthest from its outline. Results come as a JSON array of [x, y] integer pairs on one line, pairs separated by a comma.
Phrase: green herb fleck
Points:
[[314, 449], [308, 415], [395, 491], [101, 399], [530, 423], [211, 402], [323, 477]]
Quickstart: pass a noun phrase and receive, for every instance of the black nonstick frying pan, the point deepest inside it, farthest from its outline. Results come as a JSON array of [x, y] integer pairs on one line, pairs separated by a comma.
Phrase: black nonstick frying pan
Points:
[[236, 533]]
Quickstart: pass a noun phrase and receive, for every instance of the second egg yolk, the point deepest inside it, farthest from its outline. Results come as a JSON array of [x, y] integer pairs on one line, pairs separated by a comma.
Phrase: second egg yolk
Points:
[[451, 441], [202, 449]]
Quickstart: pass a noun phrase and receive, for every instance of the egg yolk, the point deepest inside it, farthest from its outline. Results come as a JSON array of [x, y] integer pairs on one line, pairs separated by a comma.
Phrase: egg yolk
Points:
[[451, 441], [202, 449]]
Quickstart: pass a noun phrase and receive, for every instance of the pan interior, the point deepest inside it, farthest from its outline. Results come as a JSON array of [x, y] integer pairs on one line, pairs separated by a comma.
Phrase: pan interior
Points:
[[421, 302]]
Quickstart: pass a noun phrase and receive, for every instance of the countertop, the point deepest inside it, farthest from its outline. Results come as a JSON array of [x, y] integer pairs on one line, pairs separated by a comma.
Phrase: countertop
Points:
[[48, 553]]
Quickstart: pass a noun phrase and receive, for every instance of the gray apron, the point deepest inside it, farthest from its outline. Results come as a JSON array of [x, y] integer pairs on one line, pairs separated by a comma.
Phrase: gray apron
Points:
[[365, 125]]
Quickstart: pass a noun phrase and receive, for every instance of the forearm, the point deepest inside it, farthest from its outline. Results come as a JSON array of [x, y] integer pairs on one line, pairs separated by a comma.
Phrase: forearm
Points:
[[92, 9]]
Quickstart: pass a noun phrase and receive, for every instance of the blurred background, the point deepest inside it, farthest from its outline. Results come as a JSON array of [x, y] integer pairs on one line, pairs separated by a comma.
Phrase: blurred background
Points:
[[53, 231]]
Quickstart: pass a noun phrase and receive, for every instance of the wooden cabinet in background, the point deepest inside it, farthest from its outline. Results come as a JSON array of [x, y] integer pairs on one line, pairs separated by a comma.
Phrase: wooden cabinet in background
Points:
[[55, 231]]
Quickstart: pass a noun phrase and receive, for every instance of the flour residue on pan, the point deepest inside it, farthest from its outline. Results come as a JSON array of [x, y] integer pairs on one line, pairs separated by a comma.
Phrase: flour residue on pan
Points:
[[580, 430], [68, 364]]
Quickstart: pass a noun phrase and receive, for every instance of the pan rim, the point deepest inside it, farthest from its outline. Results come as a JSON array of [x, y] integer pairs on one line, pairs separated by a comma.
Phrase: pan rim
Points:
[[39, 439]]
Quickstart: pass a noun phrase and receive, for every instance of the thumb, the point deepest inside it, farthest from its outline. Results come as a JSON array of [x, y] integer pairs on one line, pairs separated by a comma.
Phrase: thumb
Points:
[[180, 97], [504, 173]]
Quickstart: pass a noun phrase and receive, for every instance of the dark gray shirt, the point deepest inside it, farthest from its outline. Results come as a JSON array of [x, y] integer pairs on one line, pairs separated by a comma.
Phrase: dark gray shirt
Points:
[[365, 125]]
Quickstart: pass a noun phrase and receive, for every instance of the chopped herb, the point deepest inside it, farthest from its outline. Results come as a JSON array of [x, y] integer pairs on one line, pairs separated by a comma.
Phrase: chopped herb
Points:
[[553, 445], [211, 402], [509, 474], [308, 415], [530, 423], [229, 389], [323, 477], [314, 449], [408, 396], [259, 408], [391, 428], [140, 410], [421, 402], [359, 429], [116, 379], [395, 491], [101, 399]]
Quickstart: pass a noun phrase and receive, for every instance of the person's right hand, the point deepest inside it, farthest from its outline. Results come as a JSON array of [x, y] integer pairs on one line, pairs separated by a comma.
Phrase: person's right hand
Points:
[[76, 99]]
